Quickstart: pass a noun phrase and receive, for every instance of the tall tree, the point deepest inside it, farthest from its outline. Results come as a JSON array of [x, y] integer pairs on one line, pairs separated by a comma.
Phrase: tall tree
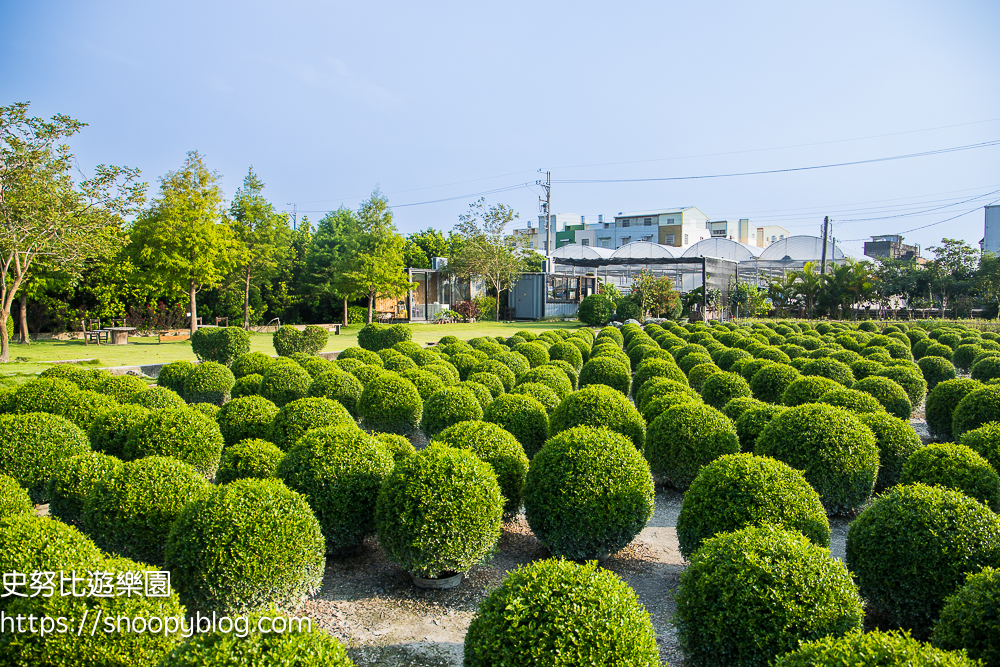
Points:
[[810, 284], [490, 253], [331, 256], [180, 241], [44, 213], [264, 236], [423, 246], [952, 270], [988, 277]]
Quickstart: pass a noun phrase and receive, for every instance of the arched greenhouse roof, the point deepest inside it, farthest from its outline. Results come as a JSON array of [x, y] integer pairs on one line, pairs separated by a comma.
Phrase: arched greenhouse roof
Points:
[[642, 250], [578, 251], [801, 249], [724, 249]]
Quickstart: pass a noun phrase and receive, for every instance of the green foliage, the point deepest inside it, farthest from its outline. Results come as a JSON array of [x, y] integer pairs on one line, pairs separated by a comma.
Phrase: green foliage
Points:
[[14, 500], [33, 445], [969, 618], [491, 382], [936, 370], [626, 309], [600, 406], [720, 388], [496, 447], [444, 370], [607, 371], [283, 383], [288, 340], [109, 432], [964, 354], [985, 441], [754, 594], [501, 370], [955, 467], [398, 446], [246, 545], [339, 470], [254, 458], [888, 392], [130, 512], [376, 336], [248, 385], [314, 339], [183, 433], [872, 649], [391, 404], [828, 367], [449, 406], [686, 437], [739, 490], [656, 367], [975, 409], [835, 451], [737, 406], [157, 398], [808, 389], [49, 395], [540, 392], [220, 344], [209, 382], [568, 352], [72, 481], [942, 401], [769, 383], [246, 418], [293, 420], [521, 416], [588, 493], [552, 377], [250, 364], [571, 614], [913, 547], [910, 379], [856, 401], [896, 441], [596, 310], [439, 512], [535, 353], [121, 387], [339, 386], [751, 423], [660, 386], [172, 375]]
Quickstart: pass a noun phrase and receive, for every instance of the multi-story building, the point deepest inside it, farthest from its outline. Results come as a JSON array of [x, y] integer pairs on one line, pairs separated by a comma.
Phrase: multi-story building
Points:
[[991, 235], [675, 227], [768, 234], [566, 228], [890, 246], [741, 230]]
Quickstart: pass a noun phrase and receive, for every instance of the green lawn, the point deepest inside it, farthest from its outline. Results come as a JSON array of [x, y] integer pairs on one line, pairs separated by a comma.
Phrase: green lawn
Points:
[[34, 358]]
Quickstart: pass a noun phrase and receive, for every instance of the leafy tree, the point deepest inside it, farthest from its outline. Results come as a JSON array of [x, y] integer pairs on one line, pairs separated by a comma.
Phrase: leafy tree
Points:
[[263, 234], [988, 277], [490, 254], [44, 213], [180, 242], [953, 269], [655, 294], [747, 299], [810, 285], [421, 247], [331, 255], [782, 292]]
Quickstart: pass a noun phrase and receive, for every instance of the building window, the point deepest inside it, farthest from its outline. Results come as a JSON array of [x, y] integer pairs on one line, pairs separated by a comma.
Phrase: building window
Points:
[[685, 239], [647, 238], [670, 221], [718, 232], [562, 289], [647, 222], [669, 240], [624, 223], [607, 225], [780, 238], [585, 242], [605, 243]]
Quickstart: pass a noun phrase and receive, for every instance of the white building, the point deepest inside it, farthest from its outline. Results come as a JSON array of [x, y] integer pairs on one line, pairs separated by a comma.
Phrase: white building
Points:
[[769, 234], [673, 227], [741, 231], [565, 226], [991, 237]]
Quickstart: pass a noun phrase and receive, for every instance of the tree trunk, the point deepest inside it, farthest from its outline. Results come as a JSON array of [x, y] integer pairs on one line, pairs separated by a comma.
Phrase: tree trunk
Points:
[[4, 343], [194, 307], [371, 305], [246, 299], [23, 320], [345, 311]]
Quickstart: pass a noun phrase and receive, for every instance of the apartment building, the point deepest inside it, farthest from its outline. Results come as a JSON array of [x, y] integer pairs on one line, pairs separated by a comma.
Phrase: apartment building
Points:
[[675, 227]]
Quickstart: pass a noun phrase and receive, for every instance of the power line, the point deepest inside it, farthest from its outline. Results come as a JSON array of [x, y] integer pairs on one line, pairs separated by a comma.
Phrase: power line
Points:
[[934, 224], [466, 196], [936, 208]]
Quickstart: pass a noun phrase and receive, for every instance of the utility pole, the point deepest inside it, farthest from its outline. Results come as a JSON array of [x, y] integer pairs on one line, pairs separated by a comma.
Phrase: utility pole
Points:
[[546, 208], [826, 234], [295, 215]]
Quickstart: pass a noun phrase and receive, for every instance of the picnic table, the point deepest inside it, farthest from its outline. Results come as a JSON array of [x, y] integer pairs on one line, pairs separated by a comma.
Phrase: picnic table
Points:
[[118, 335]]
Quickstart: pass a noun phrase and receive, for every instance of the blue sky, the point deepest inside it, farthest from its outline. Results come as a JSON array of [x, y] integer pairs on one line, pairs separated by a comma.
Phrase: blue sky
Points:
[[437, 100]]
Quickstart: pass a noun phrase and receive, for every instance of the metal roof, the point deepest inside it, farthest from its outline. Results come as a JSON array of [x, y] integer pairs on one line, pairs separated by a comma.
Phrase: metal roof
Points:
[[801, 249], [640, 250], [723, 248]]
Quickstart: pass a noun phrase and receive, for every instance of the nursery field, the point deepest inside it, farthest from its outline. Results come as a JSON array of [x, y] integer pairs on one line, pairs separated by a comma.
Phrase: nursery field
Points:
[[769, 493]]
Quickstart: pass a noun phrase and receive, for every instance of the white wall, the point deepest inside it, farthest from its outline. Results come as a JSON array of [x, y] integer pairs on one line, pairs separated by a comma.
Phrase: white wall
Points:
[[991, 237]]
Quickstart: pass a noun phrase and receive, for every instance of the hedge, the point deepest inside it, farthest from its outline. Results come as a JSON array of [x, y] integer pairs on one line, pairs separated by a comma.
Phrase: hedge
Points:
[[936, 537], [871, 649], [770, 383], [254, 363], [72, 481], [340, 386], [600, 406], [596, 310], [856, 401], [171, 376], [501, 370], [222, 345], [975, 409], [426, 383], [889, 393], [720, 388], [985, 441], [449, 406], [754, 594], [398, 446], [288, 340], [376, 336], [969, 619], [284, 382], [955, 467], [517, 364], [253, 457], [552, 377], [245, 546], [245, 418], [686, 437], [182, 433], [607, 371], [157, 398], [751, 423], [523, 417], [295, 419], [33, 445], [391, 404]]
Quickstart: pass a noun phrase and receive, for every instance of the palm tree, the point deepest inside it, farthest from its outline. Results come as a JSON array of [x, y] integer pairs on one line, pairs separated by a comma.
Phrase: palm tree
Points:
[[810, 285]]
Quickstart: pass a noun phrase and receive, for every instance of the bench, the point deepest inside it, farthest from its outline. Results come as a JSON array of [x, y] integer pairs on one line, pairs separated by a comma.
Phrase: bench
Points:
[[172, 338]]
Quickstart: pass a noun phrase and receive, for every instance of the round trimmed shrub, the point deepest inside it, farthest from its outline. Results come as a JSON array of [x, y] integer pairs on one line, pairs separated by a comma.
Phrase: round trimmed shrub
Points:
[[49, 395], [888, 392], [515, 362], [449, 406], [808, 389], [252, 363], [400, 363], [856, 401], [248, 385], [657, 367], [910, 379], [501, 370], [975, 409], [316, 366], [689, 361], [660, 386], [339, 470], [552, 377], [685, 438], [14, 500], [72, 481], [720, 388], [738, 490], [588, 492], [937, 350], [753, 594], [496, 447], [244, 546], [130, 512], [482, 393], [172, 375], [425, 382], [340, 386], [599, 406], [209, 382], [109, 431], [523, 417], [391, 404], [936, 370], [33, 445], [444, 370], [572, 615], [490, 381], [424, 357], [398, 446], [596, 310], [292, 421], [913, 547], [728, 356], [986, 369], [607, 371], [245, 418], [535, 353], [696, 378], [737, 406], [871, 649], [941, 404], [751, 423], [611, 333], [955, 467], [439, 512], [157, 398], [964, 354], [253, 457], [835, 451], [896, 441], [969, 619], [657, 406], [828, 367], [568, 352], [769, 383], [123, 387], [540, 392], [865, 368], [376, 336], [183, 433], [985, 441], [284, 382], [626, 309]]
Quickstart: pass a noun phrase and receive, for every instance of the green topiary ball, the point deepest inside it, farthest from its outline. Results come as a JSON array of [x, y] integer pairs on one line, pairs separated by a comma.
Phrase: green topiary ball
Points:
[[73, 480], [739, 490], [808, 389], [130, 511], [444, 370], [571, 615], [607, 371], [936, 370], [339, 470], [292, 421], [889, 393], [659, 387], [910, 379], [109, 432], [835, 450], [497, 447], [376, 336], [955, 467], [245, 546], [339, 386], [172, 375], [985, 441], [737, 406], [975, 409], [963, 356], [720, 388], [439, 512], [856, 401], [588, 493], [751, 595], [751, 423], [913, 547], [769, 383], [600, 406], [49, 395], [391, 404], [871, 649], [183, 433], [209, 382], [521, 416], [596, 310], [247, 417], [33, 445], [426, 383], [567, 352], [284, 382], [896, 441], [552, 377], [540, 392], [686, 437], [248, 385], [254, 458], [535, 353], [969, 619], [449, 406], [829, 368], [986, 369], [157, 398], [14, 500], [398, 446], [253, 363], [514, 362], [941, 404]]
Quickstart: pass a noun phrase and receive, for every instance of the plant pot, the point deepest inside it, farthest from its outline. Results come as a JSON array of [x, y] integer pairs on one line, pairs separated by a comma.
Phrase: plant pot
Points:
[[438, 583]]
